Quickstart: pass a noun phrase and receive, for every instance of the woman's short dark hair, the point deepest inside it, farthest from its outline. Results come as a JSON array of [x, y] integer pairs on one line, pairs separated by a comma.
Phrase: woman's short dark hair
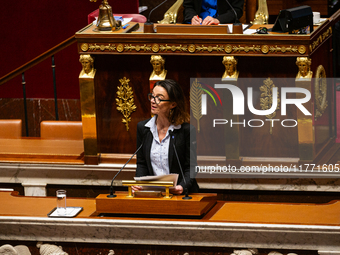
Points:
[[175, 92]]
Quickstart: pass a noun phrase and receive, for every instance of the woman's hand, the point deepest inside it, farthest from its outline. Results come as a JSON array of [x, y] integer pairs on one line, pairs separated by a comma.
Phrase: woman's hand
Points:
[[177, 190], [210, 21], [136, 188], [196, 20]]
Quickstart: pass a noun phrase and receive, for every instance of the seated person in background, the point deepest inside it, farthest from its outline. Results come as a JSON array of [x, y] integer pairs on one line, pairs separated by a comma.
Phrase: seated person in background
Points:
[[157, 155], [211, 12]]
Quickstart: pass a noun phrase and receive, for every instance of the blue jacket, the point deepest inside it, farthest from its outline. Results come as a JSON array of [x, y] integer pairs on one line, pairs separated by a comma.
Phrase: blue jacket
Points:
[[225, 13]]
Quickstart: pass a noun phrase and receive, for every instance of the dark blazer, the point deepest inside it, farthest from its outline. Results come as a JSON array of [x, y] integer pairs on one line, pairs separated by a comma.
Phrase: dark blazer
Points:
[[225, 13], [185, 144]]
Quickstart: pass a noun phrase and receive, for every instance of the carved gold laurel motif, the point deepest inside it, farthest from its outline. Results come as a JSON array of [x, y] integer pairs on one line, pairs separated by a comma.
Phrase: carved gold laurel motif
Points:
[[283, 49], [320, 39], [125, 102], [320, 91], [266, 100], [192, 48], [196, 101], [247, 48]]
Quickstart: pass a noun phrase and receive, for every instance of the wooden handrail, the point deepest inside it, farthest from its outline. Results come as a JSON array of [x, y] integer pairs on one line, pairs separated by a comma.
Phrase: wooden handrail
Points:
[[38, 59], [335, 17]]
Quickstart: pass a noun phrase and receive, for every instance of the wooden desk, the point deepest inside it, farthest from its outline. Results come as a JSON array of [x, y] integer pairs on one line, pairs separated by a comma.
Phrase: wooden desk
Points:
[[266, 226], [41, 150]]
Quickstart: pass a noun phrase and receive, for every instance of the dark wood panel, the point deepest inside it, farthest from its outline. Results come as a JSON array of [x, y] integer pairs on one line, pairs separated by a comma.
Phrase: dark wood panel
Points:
[[274, 6], [258, 142], [324, 125], [283, 142], [138, 69]]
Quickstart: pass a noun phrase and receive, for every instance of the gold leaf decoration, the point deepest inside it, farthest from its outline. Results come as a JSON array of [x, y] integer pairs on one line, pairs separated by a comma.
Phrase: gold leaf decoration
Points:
[[266, 100], [320, 92], [125, 101], [196, 101]]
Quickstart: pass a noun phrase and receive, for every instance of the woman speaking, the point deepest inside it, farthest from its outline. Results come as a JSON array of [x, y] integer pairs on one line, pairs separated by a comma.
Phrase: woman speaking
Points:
[[168, 127]]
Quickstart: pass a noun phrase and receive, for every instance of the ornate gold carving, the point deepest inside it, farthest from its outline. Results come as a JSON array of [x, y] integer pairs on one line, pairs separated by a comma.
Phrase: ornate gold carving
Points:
[[155, 47], [125, 101], [88, 106], [137, 47], [196, 101], [304, 64], [159, 72], [228, 48], [87, 63], [302, 49], [95, 47], [192, 48], [174, 48], [170, 17], [320, 39], [120, 48], [266, 100], [84, 47], [209, 48], [283, 49], [230, 64], [261, 15], [265, 49], [320, 91], [246, 48]]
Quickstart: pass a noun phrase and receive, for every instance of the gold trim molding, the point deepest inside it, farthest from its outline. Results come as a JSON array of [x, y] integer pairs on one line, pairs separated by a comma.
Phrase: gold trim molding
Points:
[[320, 39], [193, 48], [125, 101]]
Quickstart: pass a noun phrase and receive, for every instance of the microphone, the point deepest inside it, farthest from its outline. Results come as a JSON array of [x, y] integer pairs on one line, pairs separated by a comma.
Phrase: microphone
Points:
[[237, 26], [148, 25], [148, 21], [186, 197], [111, 186]]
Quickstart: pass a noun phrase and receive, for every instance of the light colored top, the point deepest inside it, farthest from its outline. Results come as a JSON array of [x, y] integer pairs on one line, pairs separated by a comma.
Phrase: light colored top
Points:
[[160, 149]]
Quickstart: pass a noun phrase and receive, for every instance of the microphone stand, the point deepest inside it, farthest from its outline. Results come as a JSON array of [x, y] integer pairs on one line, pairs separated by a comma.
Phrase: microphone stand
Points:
[[148, 25], [237, 26], [111, 186], [186, 197]]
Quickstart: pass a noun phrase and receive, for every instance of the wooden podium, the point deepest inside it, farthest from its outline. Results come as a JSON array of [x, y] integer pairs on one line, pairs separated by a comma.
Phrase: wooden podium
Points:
[[122, 205]]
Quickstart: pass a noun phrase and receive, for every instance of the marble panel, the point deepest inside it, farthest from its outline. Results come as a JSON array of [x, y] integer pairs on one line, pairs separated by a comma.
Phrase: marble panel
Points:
[[171, 233]]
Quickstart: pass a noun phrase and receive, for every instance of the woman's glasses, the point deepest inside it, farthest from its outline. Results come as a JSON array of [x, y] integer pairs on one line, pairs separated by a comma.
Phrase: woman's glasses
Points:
[[156, 98]]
